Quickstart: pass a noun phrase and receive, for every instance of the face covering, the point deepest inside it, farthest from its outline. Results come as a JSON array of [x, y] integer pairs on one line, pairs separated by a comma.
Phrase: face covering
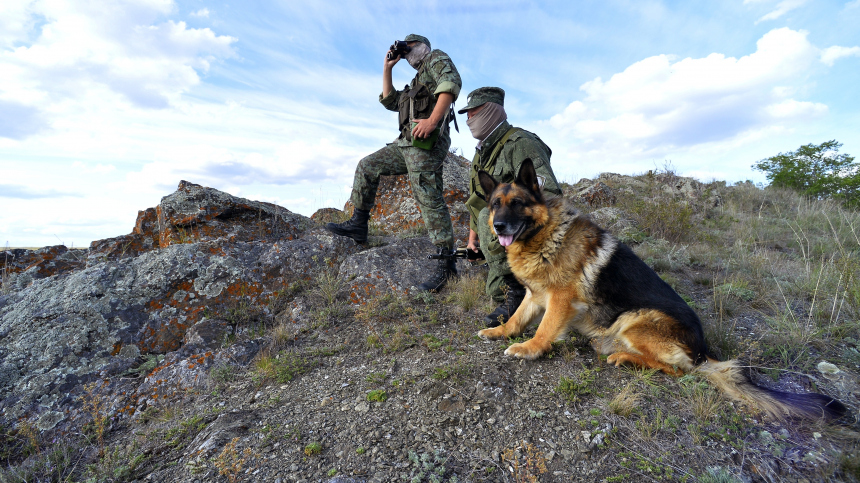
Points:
[[417, 54], [483, 123]]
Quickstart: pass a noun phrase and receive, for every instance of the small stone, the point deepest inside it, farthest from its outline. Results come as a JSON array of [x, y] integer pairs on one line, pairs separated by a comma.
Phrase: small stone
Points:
[[827, 368]]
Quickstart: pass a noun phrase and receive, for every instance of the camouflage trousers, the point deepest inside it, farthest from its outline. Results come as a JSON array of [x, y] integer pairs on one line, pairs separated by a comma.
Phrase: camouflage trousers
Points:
[[424, 168], [497, 258]]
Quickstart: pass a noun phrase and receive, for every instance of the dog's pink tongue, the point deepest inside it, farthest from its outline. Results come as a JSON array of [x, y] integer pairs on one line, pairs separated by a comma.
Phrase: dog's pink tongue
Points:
[[506, 240]]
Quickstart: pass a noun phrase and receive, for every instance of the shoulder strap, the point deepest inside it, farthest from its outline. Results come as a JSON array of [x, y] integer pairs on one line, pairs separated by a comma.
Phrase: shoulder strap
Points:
[[498, 148]]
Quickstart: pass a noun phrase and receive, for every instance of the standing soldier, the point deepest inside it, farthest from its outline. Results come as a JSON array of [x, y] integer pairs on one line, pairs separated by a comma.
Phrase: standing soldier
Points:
[[425, 108], [501, 151]]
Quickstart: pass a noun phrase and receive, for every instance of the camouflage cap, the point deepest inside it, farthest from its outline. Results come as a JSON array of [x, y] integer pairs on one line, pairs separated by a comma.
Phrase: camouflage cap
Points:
[[417, 38], [483, 95]]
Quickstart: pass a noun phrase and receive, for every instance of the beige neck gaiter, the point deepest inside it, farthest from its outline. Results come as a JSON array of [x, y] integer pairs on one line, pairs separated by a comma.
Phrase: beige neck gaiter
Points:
[[484, 122]]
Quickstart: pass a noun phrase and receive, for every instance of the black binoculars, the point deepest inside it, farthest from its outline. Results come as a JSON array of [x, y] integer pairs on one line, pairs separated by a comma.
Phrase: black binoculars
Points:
[[398, 48]]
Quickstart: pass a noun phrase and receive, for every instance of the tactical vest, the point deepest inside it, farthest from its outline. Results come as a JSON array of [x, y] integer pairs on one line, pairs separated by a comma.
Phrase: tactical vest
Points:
[[417, 100]]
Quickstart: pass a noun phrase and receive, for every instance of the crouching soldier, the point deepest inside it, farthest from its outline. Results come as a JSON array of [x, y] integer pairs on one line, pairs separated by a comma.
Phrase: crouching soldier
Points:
[[501, 151], [425, 108]]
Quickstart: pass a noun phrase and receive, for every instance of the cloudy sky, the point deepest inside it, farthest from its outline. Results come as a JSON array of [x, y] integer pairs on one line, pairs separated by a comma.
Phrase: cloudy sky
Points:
[[106, 105]]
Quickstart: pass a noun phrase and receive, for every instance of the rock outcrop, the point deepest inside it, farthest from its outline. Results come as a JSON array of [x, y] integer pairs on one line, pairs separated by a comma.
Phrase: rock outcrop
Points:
[[19, 267], [197, 214], [132, 317]]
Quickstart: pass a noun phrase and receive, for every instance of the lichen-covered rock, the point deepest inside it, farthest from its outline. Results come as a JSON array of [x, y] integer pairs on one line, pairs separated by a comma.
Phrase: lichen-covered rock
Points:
[[666, 182], [19, 267], [207, 334], [396, 211], [125, 246], [131, 323], [397, 267], [328, 215], [596, 194], [195, 213], [63, 331]]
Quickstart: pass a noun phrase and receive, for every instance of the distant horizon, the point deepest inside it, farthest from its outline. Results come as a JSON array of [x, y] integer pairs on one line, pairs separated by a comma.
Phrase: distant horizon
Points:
[[105, 107]]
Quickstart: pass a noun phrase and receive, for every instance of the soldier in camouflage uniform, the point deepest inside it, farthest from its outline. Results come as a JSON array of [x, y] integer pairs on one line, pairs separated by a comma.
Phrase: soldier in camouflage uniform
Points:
[[425, 109], [501, 151]]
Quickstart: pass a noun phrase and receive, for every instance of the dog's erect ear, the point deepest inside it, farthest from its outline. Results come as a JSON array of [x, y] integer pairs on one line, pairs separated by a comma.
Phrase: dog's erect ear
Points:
[[527, 177], [488, 183]]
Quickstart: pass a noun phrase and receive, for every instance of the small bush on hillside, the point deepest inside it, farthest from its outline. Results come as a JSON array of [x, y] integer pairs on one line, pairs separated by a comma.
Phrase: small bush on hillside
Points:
[[665, 218]]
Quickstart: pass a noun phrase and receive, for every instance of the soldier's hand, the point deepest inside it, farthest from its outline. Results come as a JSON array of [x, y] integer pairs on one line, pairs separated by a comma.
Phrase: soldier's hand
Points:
[[424, 128], [388, 64], [473, 241]]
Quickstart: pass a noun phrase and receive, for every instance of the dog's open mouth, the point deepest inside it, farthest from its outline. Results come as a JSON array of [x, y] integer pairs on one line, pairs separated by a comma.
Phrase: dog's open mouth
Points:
[[506, 240]]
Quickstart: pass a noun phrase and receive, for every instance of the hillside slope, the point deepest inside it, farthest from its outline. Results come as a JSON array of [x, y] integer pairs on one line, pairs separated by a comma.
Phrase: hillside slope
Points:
[[230, 340]]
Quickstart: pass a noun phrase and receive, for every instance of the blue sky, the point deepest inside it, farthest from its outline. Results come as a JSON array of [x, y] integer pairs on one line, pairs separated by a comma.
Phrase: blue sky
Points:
[[105, 106]]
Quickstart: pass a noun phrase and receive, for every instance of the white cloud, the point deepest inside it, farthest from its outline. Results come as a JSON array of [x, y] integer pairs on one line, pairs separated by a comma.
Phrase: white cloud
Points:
[[662, 106], [15, 21], [203, 12], [830, 55], [291, 163], [781, 8], [97, 169], [80, 48]]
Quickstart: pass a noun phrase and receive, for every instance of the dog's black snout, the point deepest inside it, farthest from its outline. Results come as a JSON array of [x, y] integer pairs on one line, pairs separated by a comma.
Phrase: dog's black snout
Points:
[[500, 227]]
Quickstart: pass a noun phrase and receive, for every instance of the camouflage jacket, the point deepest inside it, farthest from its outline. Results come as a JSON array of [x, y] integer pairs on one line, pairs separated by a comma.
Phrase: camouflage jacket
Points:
[[521, 145], [439, 75]]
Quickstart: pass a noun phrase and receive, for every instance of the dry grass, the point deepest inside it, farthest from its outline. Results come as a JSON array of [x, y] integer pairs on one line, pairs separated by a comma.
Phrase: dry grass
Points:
[[467, 291], [282, 335], [626, 401], [790, 264], [702, 399]]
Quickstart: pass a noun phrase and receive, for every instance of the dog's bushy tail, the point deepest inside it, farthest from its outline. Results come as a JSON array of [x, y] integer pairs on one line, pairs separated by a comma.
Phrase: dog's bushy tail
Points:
[[731, 378]]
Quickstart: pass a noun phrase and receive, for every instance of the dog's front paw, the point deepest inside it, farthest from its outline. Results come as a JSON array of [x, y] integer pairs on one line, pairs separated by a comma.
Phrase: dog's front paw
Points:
[[528, 350], [492, 334]]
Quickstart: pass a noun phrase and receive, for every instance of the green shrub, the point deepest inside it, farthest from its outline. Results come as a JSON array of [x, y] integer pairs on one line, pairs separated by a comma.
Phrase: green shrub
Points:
[[819, 172]]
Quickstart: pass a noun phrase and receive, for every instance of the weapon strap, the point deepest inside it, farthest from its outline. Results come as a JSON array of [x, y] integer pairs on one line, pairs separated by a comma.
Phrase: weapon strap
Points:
[[500, 144], [492, 159]]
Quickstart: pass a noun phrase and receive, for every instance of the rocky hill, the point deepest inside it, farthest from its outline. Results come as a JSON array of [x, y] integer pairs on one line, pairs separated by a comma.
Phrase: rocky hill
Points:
[[226, 339]]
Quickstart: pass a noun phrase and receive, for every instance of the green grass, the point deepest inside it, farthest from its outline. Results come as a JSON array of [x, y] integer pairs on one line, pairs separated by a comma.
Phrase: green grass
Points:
[[377, 395], [581, 384]]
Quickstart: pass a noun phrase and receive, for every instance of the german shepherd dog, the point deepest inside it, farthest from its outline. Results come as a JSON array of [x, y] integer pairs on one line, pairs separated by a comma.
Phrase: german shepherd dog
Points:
[[578, 276]]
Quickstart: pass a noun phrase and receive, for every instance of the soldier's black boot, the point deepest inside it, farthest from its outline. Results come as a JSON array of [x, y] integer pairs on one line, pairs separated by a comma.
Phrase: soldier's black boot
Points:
[[445, 270], [513, 298], [355, 227]]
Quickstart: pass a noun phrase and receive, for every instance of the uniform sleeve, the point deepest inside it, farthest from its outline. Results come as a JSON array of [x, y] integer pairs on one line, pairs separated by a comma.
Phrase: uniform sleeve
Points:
[[526, 148], [446, 76], [390, 101]]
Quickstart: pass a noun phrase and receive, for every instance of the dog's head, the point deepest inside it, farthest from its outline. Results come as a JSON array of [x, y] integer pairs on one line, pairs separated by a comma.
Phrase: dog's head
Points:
[[516, 209]]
